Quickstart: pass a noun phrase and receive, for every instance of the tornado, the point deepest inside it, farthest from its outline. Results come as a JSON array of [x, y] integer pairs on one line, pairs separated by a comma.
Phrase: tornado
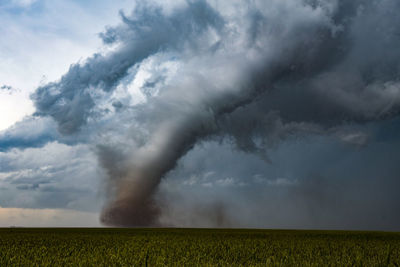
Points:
[[177, 75]]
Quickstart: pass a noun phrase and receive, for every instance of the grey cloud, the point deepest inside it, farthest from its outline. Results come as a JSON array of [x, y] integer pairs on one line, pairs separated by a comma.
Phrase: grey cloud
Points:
[[350, 77], [28, 187], [30, 132], [6, 88], [37, 131], [71, 100], [257, 74], [317, 183], [54, 176]]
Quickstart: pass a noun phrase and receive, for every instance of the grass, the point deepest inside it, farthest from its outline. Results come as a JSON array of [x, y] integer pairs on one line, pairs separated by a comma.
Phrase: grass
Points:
[[196, 247]]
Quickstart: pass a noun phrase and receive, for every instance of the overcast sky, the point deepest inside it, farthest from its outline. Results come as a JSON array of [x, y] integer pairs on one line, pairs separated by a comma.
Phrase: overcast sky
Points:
[[265, 114]]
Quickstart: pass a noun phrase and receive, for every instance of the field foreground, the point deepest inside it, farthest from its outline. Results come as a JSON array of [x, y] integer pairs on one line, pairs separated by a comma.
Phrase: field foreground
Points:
[[193, 247]]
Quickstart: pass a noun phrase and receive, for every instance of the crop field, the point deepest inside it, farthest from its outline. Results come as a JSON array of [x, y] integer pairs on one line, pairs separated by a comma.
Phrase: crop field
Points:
[[196, 247]]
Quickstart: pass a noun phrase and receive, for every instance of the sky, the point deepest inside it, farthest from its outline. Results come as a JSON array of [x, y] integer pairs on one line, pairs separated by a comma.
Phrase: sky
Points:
[[200, 113]]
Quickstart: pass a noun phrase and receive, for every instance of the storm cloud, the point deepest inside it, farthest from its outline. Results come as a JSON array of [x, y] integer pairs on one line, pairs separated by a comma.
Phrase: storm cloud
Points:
[[252, 76]]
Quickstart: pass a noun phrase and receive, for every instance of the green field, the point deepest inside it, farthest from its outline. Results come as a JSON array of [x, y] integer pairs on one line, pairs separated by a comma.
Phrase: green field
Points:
[[193, 247]]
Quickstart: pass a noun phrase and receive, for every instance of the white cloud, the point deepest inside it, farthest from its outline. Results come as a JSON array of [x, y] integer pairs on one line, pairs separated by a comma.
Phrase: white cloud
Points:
[[280, 181], [23, 3]]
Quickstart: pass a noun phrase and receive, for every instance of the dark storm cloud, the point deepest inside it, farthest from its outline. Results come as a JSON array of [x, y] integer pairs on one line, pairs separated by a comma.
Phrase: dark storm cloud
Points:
[[36, 131], [30, 132], [313, 183], [256, 73], [346, 78], [70, 101]]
